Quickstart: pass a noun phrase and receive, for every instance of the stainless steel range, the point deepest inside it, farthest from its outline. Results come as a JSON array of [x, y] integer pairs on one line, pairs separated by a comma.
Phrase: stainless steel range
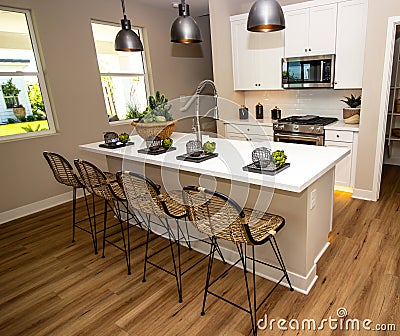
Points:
[[306, 129]]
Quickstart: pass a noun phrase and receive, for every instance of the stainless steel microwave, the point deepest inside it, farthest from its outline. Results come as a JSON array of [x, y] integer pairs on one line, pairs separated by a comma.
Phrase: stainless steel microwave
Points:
[[308, 72]]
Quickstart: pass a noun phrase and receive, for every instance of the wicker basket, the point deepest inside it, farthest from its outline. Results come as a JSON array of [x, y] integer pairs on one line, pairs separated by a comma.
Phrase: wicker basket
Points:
[[163, 129]]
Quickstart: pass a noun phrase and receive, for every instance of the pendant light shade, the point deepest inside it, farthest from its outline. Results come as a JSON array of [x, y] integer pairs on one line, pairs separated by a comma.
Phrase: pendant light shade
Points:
[[265, 16], [185, 29], [127, 39]]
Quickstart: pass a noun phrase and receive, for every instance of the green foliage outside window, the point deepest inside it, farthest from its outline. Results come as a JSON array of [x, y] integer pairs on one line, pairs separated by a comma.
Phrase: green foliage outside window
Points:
[[36, 100]]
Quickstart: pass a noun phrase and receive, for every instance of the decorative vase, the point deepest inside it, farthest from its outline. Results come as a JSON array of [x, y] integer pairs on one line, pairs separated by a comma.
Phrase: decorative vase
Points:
[[162, 130], [351, 115], [19, 112]]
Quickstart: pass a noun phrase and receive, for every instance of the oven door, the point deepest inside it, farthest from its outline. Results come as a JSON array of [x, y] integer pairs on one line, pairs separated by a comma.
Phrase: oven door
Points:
[[299, 138]]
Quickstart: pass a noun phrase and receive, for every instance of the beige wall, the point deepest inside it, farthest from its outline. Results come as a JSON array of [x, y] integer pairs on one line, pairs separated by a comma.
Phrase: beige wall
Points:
[[375, 45], [67, 50], [378, 14]]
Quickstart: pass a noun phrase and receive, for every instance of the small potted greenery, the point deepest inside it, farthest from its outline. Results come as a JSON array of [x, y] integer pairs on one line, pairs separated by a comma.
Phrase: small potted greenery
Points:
[[156, 120], [351, 114]]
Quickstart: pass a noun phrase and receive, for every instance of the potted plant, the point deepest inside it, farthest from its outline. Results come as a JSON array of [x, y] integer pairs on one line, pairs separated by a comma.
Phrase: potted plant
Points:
[[156, 120], [351, 114], [10, 93], [19, 112]]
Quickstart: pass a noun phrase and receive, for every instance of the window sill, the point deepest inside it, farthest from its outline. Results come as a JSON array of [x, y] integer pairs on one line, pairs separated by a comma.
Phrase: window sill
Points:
[[26, 136], [120, 122]]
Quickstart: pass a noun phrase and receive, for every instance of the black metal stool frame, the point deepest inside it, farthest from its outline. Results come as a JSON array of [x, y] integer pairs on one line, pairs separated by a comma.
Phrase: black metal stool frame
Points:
[[241, 248], [177, 273]]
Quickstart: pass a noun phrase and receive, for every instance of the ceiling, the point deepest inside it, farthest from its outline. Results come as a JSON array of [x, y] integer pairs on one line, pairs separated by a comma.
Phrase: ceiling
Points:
[[197, 7]]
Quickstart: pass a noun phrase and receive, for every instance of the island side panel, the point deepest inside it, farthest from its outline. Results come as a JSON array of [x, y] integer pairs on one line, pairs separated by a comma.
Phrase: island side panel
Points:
[[300, 240], [320, 193]]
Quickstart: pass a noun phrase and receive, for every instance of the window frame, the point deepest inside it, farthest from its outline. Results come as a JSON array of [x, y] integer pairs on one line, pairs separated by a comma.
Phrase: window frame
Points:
[[41, 80], [146, 68]]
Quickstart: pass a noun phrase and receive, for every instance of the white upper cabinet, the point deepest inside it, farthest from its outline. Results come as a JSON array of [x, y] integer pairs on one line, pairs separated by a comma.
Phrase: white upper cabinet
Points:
[[311, 31], [350, 44], [256, 57]]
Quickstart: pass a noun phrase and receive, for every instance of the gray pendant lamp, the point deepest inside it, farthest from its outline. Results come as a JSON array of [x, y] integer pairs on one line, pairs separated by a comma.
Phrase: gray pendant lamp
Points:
[[185, 29], [127, 39], [265, 16]]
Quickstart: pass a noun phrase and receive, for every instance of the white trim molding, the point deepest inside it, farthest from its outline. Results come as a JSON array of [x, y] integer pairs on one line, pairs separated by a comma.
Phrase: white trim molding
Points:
[[29, 209], [383, 110], [367, 195]]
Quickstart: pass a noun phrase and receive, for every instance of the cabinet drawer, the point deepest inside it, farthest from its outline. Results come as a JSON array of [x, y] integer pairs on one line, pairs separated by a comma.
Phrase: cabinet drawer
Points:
[[249, 129], [342, 136], [242, 137]]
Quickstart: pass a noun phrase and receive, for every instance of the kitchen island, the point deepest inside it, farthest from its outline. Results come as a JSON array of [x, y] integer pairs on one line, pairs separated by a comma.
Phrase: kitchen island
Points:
[[302, 193]]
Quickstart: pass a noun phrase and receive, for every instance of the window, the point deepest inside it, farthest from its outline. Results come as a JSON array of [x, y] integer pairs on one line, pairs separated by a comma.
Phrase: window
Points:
[[24, 104], [123, 74]]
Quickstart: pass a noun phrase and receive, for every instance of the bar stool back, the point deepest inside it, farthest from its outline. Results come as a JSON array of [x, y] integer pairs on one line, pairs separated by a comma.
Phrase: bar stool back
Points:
[[64, 174], [218, 215], [99, 184], [144, 196]]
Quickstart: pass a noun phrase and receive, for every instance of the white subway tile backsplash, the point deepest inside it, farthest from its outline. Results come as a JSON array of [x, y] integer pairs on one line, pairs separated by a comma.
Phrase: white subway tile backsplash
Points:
[[322, 102]]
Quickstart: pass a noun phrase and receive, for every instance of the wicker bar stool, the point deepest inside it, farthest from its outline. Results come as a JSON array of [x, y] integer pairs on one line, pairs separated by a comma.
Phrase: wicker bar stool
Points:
[[97, 182], [221, 217], [144, 196], [64, 174]]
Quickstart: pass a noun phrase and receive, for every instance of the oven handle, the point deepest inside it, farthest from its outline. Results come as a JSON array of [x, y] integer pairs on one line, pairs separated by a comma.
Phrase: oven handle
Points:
[[300, 137]]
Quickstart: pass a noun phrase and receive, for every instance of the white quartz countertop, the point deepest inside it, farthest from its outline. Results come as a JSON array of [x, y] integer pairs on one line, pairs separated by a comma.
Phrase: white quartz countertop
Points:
[[342, 126], [339, 125], [251, 121], [307, 163]]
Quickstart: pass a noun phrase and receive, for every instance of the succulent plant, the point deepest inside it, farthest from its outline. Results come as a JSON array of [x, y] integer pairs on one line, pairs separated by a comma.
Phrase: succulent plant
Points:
[[352, 101], [157, 109]]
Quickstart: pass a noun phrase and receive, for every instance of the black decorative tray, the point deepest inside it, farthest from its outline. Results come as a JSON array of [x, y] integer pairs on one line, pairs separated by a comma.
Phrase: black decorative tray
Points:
[[271, 169], [158, 151], [202, 157], [116, 145]]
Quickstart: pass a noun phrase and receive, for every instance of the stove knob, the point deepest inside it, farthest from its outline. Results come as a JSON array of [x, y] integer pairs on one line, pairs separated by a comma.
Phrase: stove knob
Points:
[[275, 126], [281, 127], [318, 129], [296, 127], [312, 128]]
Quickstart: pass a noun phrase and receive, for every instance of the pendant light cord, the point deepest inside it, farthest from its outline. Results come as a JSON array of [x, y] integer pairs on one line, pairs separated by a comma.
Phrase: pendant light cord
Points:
[[123, 8]]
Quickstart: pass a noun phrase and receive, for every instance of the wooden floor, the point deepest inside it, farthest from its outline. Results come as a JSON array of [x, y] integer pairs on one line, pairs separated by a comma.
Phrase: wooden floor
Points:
[[50, 286]]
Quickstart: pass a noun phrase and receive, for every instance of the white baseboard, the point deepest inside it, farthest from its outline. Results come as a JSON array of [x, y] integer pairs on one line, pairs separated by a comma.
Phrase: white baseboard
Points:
[[363, 194], [29, 209], [300, 283]]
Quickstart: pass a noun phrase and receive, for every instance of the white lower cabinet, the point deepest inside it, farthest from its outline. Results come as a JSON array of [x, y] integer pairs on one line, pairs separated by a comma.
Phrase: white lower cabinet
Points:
[[345, 169], [244, 132]]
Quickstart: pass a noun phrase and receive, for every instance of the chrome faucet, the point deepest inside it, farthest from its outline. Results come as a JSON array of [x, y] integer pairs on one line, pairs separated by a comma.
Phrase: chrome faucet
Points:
[[196, 96]]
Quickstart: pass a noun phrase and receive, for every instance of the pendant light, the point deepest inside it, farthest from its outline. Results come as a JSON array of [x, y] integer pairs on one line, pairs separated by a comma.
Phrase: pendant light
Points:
[[185, 29], [127, 39], [265, 16]]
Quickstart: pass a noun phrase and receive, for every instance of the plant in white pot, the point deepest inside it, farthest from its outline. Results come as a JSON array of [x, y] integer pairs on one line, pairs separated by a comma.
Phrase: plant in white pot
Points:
[[351, 114]]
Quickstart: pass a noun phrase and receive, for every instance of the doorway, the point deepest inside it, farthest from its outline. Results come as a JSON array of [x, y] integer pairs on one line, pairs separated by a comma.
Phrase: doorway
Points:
[[388, 150]]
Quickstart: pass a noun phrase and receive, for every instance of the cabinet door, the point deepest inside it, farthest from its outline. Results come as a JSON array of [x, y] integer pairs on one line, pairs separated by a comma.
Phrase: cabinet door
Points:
[[350, 44], [322, 30], [343, 168], [296, 33], [242, 56], [268, 52], [256, 58]]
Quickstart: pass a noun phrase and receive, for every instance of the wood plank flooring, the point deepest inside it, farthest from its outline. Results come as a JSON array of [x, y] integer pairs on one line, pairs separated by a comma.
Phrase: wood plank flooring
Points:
[[50, 286]]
